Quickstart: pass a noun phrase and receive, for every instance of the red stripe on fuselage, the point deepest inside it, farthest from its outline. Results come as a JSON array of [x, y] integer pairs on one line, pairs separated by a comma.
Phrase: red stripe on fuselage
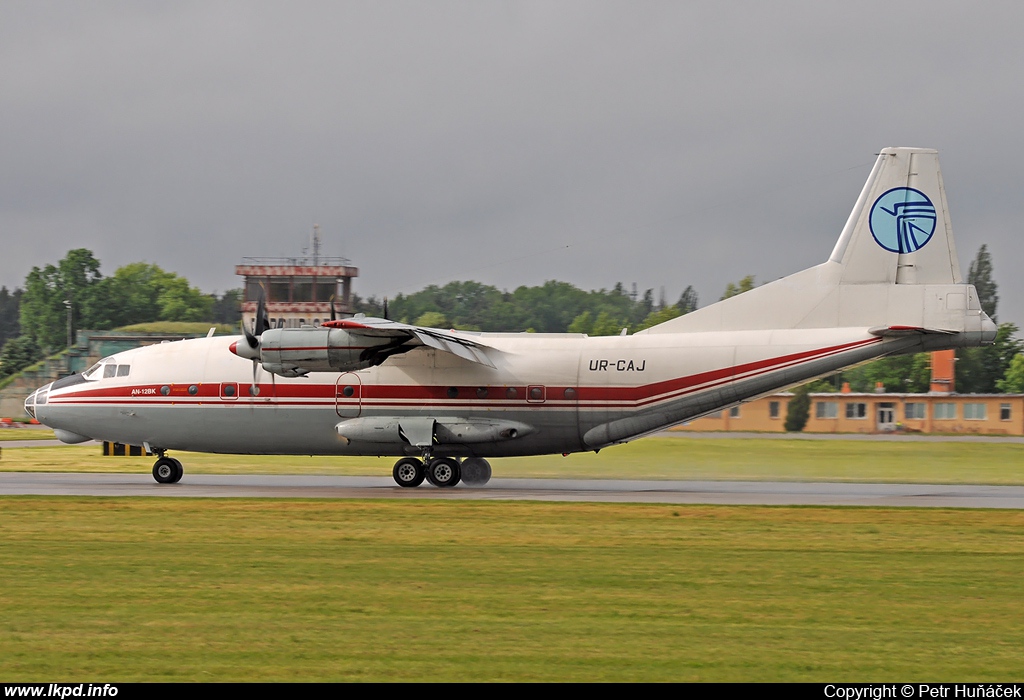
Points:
[[438, 395]]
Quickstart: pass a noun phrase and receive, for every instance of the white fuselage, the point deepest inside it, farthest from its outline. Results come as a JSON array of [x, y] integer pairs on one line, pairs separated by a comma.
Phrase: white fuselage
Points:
[[569, 393]]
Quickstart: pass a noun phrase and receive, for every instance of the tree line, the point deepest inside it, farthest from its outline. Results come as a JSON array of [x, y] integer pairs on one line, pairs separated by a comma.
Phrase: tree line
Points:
[[56, 300], [553, 307]]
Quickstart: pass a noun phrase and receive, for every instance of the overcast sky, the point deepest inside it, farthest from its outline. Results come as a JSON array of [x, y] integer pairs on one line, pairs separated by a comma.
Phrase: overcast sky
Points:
[[664, 144]]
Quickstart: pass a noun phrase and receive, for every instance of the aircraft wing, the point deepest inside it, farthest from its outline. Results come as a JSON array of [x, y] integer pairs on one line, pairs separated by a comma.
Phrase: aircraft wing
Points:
[[446, 341]]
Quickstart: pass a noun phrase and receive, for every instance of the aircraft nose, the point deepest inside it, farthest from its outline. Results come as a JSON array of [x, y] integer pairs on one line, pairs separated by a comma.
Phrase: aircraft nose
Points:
[[37, 397]]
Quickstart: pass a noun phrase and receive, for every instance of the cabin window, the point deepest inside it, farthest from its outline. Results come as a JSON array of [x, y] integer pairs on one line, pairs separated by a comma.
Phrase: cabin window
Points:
[[123, 370]]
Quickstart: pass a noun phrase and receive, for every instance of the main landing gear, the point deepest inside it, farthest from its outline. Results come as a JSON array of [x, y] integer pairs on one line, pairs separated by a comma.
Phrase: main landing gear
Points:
[[443, 472], [167, 470]]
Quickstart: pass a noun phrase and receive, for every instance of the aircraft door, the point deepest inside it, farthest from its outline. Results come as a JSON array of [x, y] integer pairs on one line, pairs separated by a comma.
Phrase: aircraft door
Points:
[[349, 395]]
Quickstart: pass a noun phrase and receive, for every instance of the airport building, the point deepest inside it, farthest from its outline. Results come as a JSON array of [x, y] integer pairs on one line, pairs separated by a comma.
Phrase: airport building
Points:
[[941, 410], [299, 290]]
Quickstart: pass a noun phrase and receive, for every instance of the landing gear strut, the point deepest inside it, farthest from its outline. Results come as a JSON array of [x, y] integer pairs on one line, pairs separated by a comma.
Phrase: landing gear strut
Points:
[[167, 470]]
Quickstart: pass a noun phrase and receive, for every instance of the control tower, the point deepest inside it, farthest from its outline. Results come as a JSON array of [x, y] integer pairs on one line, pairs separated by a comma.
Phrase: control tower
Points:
[[298, 290]]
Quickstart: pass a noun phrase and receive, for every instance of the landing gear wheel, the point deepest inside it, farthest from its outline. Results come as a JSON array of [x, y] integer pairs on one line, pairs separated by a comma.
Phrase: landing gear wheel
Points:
[[475, 471], [179, 471], [167, 471], [443, 472], [408, 472]]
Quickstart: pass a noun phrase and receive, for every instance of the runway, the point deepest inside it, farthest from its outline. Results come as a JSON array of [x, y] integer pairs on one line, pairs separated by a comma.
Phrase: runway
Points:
[[570, 490]]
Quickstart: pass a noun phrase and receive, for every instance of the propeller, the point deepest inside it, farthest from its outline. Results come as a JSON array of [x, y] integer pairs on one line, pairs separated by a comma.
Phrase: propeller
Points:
[[334, 314], [252, 338], [262, 322], [386, 309]]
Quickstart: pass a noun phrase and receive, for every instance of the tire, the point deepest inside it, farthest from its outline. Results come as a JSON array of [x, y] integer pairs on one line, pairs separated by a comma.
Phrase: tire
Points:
[[408, 472], [475, 471], [167, 470], [179, 471], [444, 472]]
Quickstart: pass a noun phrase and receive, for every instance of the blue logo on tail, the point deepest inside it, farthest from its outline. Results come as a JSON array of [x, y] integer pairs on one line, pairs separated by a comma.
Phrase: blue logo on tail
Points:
[[902, 220]]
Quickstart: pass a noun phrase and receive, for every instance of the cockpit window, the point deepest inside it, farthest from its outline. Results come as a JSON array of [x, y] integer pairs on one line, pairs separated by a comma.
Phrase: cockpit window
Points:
[[105, 369]]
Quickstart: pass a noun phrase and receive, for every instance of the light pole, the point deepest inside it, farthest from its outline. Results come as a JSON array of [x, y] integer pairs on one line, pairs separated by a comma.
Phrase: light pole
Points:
[[67, 305]]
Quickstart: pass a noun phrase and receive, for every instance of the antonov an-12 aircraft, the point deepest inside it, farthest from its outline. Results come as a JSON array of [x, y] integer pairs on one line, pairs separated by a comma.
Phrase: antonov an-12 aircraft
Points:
[[443, 400]]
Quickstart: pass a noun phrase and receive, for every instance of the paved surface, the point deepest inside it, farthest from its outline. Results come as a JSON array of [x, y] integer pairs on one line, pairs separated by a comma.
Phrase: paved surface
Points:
[[596, 490]]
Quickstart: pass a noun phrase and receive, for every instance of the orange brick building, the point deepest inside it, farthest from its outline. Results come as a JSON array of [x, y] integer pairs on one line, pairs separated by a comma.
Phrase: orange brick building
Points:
[[939, 411]]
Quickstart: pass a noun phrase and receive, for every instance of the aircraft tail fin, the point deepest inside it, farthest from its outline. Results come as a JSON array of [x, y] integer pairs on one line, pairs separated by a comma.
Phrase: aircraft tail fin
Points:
[[899, 231], [893, 267]]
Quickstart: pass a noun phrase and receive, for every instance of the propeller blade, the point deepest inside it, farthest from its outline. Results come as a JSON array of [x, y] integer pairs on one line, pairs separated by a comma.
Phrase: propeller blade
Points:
[[262, 321], [334, 314], [249, 337], [386, 309]]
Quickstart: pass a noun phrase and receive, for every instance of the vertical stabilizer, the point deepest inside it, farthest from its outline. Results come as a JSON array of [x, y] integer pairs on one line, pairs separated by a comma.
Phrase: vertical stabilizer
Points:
[[899, 231], [894, 264]]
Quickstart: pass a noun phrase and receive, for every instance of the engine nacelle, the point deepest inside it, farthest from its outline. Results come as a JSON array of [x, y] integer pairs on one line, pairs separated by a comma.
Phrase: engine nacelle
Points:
[[293, 352]]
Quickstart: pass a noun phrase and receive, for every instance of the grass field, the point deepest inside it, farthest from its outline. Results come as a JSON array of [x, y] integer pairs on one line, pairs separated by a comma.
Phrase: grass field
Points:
[[14, 434], [108, 590], [650, 458]]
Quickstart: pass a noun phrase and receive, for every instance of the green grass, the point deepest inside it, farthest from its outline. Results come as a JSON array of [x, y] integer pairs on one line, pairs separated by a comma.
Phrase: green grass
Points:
[[108, 590], [19, 433], [651, 458], [183, 327]]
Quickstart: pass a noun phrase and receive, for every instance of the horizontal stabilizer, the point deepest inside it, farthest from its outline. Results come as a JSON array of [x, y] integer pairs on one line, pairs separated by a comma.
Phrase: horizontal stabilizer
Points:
[[904, 331]]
